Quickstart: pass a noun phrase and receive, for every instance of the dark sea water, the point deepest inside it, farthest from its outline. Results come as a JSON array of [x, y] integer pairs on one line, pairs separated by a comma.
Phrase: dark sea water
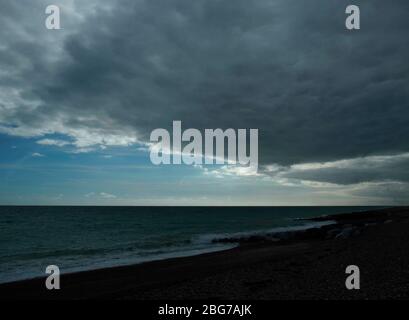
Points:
[[83, 238]]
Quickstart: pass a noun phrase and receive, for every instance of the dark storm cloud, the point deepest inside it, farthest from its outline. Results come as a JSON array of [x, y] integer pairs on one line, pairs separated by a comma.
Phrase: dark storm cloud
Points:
[[315, 91]]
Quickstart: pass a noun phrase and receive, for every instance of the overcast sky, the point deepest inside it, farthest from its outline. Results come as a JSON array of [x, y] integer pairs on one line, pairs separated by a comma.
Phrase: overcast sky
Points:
[[77, 105]]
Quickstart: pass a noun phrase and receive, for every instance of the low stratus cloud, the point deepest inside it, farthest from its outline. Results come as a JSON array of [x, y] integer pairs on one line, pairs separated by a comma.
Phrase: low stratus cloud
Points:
[[37, 155], [352, 171], [53, 142], [318, 94]]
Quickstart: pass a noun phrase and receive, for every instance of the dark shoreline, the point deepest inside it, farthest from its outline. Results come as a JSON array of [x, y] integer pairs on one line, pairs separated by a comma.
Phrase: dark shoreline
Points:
[[296, 265]]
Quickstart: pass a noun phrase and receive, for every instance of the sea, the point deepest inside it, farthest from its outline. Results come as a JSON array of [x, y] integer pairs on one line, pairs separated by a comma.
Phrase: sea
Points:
[[86, 238]]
